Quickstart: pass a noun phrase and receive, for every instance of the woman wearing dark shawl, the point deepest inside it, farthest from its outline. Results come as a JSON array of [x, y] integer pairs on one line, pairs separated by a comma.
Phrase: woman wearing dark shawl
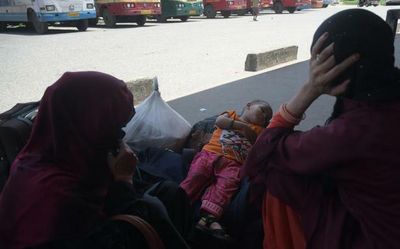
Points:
[[64, 185], [336, 186]]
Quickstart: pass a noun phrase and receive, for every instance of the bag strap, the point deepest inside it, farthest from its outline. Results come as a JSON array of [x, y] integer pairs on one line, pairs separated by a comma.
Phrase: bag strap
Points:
[[19, 109], [153, 239]]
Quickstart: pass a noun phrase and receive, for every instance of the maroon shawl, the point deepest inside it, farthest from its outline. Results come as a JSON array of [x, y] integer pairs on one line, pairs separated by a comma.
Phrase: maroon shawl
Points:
[[59, 180], [343, 179]]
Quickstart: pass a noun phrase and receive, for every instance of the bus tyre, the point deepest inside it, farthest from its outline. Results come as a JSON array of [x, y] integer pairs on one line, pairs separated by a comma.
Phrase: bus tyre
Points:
[[184, 18], [93, 22], [3, 26], [141, 20], [209, 11], [291, 9], [40, 27], [82, 25], [278, 7], [225, 13], [109, 19], [29, 26], [243, 12], [161, 18]]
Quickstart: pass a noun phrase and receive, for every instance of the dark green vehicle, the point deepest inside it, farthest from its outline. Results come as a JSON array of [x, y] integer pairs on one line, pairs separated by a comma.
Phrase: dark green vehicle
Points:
[[179, 9]]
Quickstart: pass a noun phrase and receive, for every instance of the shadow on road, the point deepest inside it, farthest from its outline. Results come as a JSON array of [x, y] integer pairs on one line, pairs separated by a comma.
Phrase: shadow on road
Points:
[[276, 87]]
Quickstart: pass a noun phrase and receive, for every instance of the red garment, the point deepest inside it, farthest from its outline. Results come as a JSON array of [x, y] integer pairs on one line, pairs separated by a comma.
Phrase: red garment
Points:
[[342, 179], [282, 227], [59, 180], [278, 121], [216, 173]]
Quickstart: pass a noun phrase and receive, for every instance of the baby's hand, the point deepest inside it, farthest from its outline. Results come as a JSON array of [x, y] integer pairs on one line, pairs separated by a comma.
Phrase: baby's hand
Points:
[[249, 133], [124, 164]]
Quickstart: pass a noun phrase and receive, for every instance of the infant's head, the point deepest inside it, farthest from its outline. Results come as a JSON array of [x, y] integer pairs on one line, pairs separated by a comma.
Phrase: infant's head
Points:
[[257, 112]]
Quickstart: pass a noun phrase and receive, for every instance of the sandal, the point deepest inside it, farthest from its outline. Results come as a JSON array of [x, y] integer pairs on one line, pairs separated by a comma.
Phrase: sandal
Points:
[[217, 233]]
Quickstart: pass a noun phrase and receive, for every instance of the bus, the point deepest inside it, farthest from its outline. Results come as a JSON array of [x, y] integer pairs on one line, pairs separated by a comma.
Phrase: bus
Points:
[[42, 13], [119, 11], [226, 7], [180, 9], [278, 6]]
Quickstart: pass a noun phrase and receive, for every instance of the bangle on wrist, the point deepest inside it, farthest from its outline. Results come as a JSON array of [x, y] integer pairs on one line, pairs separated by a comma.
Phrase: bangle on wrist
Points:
[[289, 116]]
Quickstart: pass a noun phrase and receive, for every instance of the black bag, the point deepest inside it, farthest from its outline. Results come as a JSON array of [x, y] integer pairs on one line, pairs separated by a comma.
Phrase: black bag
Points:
[[15, 129]]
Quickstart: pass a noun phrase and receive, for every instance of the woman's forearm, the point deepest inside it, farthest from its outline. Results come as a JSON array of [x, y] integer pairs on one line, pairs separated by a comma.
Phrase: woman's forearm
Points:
[[300, 102]]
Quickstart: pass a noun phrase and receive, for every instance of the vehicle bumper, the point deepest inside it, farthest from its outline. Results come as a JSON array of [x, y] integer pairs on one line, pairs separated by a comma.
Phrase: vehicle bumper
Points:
[[189, 12], [67, 16], [140, 9]]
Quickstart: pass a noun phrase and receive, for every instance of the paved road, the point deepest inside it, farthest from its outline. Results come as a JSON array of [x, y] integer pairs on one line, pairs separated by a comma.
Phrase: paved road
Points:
[[187, 57], [276, 86]]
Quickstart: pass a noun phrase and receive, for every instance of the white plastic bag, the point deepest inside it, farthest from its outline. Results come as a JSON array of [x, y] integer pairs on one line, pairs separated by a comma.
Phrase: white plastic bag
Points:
[[156, 124]]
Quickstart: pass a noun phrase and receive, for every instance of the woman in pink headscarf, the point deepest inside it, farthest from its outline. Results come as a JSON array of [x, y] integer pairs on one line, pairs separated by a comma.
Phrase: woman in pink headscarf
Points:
[[64, 184]]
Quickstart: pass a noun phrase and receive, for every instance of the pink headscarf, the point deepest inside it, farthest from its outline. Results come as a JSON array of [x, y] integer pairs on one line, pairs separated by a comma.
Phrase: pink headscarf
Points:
[[59, 180]]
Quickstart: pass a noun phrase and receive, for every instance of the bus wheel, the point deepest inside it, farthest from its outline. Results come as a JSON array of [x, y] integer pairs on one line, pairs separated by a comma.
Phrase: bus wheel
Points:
[[29, 26], [209, 11], [109, 19], [225, 13], [161, 18], [40, 27], [242, 12], [184, 18], [291, 9], [82, 25], [278, 7], [93, 22], [3, 26], [141, 20]]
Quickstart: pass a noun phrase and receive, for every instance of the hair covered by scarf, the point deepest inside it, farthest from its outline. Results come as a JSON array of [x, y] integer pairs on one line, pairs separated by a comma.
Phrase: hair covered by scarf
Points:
[[58, 182], [374, 76]]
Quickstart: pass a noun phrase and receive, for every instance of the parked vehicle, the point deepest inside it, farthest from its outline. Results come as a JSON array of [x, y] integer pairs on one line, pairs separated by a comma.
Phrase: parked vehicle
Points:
[[180, 9], [367, 3], [278, 5], [226, 7], [392, 2], [317, 3], [114, 11], [326, 3], [42, 13]]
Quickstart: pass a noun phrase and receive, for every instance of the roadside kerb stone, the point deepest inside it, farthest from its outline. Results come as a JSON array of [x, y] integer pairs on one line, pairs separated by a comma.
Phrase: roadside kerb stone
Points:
[[256, 62], [140, 88]]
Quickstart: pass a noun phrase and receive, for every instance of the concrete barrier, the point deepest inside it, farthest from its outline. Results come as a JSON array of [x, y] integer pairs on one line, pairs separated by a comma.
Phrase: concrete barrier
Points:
[[256, 62], [140, 88]]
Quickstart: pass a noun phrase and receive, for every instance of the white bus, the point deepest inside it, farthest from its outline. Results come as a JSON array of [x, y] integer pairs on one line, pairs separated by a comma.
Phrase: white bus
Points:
[[42, 13]]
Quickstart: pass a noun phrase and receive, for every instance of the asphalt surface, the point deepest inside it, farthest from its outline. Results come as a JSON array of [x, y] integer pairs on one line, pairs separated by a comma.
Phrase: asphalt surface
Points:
[[203, 57], [276, 87]]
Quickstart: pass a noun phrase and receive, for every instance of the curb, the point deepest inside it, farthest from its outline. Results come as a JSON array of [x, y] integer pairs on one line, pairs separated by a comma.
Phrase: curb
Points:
[[256, 62]]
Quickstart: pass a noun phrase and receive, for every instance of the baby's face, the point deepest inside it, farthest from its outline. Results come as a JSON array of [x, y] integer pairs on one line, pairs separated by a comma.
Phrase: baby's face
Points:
[[259, 114]]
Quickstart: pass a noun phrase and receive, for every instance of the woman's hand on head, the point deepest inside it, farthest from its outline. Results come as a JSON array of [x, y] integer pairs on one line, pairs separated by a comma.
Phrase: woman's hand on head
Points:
[[324, 70], [123, 165], [324, 73]]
